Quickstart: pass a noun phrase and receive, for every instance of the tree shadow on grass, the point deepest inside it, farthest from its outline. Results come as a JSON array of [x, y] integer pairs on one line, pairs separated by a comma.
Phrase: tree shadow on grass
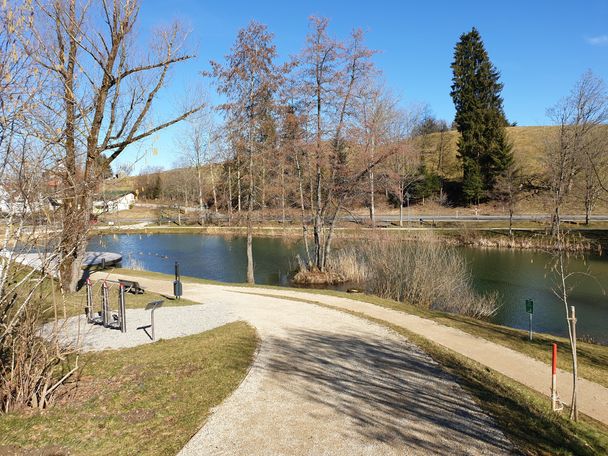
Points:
[[392, 392]]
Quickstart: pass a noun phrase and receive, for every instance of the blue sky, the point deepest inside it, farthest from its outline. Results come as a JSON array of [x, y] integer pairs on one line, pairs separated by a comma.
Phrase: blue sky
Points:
[[540, 47]]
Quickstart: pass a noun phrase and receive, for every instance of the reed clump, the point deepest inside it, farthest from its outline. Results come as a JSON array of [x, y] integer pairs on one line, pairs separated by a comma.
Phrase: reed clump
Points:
[[425, 272]]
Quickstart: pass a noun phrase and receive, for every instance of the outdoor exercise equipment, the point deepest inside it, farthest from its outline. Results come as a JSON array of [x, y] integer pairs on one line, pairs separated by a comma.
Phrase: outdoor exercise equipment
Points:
[[151, 306], [132, 286], [106, 316]]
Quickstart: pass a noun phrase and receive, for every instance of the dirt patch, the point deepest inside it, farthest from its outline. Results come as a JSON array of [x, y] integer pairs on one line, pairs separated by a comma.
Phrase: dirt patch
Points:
[[186, 371], [138, 416]]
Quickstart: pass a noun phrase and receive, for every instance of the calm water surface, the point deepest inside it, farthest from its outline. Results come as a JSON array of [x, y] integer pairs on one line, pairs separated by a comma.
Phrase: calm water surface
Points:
[[516, 275]]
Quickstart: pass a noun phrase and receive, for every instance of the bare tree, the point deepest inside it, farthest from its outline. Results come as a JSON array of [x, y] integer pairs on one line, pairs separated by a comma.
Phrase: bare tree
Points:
[[28, 363], [197, 147], [580, 117], [594, 173], [98, 99], [509, 189], [378, 128], [249, 80], [330, 73]]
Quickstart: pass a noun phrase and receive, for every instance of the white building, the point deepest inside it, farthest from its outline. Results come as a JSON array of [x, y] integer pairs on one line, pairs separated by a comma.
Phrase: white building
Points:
[[119, 204]]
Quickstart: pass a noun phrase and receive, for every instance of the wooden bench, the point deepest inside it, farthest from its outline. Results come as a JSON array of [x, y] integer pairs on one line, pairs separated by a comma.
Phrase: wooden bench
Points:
[[131, 286]]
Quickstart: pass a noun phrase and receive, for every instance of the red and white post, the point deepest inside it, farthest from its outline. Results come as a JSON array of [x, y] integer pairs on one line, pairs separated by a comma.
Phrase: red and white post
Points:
[[554, 400]]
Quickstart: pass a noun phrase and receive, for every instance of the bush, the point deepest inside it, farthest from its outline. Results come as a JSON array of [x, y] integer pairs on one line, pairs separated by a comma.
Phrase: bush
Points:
[[33, 361]]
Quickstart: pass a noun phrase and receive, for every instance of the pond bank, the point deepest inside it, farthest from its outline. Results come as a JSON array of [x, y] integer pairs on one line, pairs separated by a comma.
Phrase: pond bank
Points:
[[578, 240]]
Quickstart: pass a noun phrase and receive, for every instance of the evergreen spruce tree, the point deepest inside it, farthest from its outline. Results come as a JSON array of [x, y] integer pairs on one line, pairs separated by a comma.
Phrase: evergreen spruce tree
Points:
[[483, 146]]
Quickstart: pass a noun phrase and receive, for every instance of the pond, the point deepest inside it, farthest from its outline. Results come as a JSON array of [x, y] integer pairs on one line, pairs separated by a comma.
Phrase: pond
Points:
[[516, 275]]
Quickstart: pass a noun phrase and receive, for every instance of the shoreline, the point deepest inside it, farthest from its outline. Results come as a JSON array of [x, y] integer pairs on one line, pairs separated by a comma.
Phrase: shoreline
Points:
[[584, 240]]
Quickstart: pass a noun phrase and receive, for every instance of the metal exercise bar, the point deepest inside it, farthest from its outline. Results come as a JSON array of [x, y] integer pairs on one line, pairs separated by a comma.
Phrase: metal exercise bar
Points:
[[89, 307], [152, 306], [122, 311], [105, 305]]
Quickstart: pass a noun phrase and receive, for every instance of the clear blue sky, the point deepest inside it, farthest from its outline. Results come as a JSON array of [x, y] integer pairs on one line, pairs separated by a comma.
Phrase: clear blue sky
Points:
[[540, 47]]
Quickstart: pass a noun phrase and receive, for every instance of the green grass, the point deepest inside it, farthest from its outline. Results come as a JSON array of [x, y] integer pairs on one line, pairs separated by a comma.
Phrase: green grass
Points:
[[147, 400]]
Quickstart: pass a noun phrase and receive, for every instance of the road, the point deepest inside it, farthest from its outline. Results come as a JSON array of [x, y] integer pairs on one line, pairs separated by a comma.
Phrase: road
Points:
[[408, 217], [475, 218]]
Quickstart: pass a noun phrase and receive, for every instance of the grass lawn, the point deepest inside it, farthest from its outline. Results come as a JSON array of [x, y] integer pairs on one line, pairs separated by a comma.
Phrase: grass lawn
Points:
[[147, 400]]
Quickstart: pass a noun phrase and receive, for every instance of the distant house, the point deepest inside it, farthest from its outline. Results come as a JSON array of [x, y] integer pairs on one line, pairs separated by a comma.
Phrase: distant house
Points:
[[5, 201], [10, 203], [119, 204]]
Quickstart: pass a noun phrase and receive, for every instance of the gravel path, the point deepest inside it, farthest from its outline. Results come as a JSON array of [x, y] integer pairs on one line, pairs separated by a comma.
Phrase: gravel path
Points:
[[323, 383]]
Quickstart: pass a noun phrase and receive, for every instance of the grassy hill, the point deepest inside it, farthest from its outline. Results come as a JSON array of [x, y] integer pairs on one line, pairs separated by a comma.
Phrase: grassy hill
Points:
[[529, 144], [528, 148]]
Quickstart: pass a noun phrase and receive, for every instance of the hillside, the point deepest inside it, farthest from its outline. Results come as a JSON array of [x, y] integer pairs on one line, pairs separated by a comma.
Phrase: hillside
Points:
[[529, 144], [528, 148]]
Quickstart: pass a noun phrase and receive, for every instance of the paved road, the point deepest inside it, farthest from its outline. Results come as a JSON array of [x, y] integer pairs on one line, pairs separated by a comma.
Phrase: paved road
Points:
[[476, 218], [323, 383]]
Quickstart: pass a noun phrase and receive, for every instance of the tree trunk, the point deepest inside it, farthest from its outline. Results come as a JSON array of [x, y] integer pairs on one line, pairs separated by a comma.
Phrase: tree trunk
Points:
[[318, 224], [401, 189], [76, 217], [263, 189], [229, 196], [587, 207], [213, 188], [330, 235], [238, 183], [201, 206], [250, 277], [372, 207], [302, 207], [283, 193], [573, 403]]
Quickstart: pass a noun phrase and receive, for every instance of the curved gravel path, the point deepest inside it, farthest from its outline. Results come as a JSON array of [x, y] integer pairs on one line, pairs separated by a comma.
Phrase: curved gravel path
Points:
[[323, 383]]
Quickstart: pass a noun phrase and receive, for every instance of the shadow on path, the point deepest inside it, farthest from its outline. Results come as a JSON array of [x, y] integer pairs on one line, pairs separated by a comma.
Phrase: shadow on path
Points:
[[392, 392]]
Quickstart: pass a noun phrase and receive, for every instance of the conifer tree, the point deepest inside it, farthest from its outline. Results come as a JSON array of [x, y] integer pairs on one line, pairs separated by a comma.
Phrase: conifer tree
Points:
[[483, 146]]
